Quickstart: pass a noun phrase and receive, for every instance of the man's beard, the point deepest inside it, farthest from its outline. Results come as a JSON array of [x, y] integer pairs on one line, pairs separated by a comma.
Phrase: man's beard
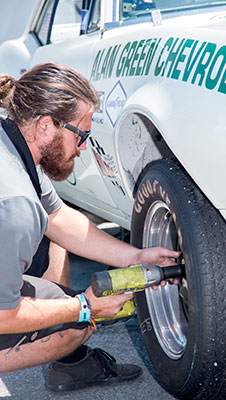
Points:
[[53, 159]]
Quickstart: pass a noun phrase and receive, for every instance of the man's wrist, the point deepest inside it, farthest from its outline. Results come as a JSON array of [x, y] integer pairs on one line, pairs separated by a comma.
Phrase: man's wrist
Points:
[[84, 313]]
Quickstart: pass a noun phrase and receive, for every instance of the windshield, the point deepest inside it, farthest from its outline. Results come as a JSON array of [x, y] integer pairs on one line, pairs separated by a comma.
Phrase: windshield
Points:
[[136, 8]]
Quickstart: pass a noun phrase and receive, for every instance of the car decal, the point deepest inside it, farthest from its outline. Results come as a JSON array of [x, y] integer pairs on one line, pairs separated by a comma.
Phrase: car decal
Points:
[[103, 64], [72, 179], [98, 120], [106, 164], [105, 168], [115, 102], [188, 60], [104, 161], [101, 99], [46, 23]]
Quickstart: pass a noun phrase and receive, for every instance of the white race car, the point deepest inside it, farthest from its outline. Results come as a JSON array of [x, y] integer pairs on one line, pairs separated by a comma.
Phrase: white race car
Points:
[[156, 157]]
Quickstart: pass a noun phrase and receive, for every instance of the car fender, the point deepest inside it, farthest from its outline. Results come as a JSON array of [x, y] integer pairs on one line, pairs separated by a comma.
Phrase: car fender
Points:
[[198, 143], [15, 50]]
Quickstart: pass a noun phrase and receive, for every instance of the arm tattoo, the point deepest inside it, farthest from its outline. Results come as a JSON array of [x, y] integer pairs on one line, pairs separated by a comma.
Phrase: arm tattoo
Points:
[[46, 339]]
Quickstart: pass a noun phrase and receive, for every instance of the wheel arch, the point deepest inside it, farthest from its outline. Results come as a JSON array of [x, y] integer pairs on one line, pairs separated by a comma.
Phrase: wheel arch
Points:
[[139, 139], [155, 124]]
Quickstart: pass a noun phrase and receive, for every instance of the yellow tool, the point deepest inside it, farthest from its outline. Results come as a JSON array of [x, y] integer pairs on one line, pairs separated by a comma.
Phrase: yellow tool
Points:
[[135, 278]]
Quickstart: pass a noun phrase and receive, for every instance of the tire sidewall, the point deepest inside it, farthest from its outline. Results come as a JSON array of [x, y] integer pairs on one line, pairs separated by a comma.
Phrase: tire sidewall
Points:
[[157, 184]]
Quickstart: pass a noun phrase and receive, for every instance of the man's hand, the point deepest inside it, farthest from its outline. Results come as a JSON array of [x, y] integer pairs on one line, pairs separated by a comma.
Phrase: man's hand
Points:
[[108, 306], [159, 256]]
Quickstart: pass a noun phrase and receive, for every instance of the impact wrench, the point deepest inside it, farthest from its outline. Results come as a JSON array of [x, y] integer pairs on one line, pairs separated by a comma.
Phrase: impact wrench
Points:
[[134, 278]]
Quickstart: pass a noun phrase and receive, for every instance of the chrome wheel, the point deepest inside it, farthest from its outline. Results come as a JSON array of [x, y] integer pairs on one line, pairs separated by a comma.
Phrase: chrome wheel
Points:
[[167, 305]]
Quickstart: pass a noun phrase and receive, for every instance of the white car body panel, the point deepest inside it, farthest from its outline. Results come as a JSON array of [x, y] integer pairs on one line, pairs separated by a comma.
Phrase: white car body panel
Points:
[[182, 98], [14, 17]]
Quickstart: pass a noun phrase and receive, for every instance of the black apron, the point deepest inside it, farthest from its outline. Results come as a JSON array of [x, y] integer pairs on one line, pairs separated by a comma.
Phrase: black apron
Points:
[[40, 261]]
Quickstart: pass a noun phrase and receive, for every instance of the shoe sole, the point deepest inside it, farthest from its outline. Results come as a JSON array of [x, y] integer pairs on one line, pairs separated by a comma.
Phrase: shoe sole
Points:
[[82, 385]]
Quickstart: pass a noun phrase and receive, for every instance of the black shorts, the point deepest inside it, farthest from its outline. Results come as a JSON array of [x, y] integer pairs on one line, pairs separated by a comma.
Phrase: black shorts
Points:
[[40, 260], [41, 289]]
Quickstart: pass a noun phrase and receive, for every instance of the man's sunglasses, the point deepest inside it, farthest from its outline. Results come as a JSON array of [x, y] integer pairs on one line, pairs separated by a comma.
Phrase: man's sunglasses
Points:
[[82, 134]]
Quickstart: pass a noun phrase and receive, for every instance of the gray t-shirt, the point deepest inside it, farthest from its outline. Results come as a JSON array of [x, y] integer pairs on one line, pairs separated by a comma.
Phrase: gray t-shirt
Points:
[[23, 220]]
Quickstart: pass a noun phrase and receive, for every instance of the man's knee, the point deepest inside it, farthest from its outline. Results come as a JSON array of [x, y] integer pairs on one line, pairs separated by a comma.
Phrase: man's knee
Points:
[[44, 350], [73, 338]]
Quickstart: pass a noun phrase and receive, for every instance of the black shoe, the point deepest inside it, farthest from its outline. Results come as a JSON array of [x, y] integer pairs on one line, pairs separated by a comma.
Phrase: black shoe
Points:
[[96, 368]]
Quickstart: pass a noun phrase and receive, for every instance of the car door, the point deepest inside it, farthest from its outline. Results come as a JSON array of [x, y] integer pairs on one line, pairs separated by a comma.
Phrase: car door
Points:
[[87, 185]]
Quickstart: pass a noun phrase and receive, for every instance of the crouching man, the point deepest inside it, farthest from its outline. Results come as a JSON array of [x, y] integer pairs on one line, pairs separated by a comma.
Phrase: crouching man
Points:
[[49, 112]]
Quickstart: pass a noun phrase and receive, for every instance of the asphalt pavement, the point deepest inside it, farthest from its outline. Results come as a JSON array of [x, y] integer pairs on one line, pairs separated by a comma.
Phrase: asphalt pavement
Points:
[[123, 340]]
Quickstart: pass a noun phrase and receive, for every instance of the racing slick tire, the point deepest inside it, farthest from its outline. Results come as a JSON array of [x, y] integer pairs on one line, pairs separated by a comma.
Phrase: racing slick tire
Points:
[[183, 326]]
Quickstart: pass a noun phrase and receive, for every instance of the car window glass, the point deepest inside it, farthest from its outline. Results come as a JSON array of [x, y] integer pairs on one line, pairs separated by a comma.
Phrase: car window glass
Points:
[[130, 9], [43, 25], [66, 24], [94, 22]]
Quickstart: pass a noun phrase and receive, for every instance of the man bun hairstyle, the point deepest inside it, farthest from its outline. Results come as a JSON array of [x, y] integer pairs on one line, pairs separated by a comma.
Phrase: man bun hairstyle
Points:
[[6, 84], [46, 89]]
